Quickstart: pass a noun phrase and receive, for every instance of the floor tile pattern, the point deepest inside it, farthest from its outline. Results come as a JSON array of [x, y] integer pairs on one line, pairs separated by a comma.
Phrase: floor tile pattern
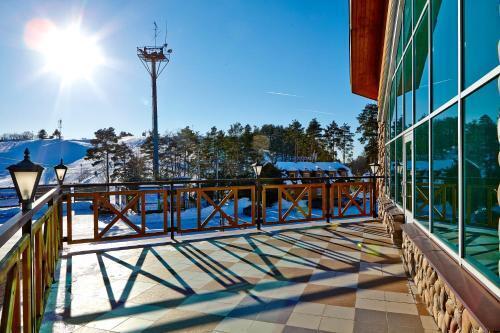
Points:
[[338, 277]]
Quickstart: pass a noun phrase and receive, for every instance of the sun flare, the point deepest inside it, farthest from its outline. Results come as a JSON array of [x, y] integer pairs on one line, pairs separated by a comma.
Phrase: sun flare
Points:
[[69, 52]]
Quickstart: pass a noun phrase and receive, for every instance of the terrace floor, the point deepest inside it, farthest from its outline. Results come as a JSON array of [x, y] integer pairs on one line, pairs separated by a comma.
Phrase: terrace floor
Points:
[[338, 277]]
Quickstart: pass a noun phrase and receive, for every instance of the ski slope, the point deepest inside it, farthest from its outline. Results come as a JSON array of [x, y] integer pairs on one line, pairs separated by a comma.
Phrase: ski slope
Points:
[[49, 152]]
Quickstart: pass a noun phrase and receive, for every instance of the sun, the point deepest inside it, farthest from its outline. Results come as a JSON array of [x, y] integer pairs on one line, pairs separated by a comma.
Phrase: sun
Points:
[[68, 52]]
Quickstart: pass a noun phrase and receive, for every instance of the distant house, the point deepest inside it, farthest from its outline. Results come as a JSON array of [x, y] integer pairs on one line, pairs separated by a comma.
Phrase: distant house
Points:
[[313, 169]]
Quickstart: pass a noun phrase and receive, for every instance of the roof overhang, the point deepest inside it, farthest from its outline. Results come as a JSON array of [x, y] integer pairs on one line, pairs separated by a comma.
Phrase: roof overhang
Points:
[[366, 39]]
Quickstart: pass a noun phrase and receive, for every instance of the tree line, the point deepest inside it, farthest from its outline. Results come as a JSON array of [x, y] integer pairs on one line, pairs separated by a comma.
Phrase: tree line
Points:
[[229, 154]]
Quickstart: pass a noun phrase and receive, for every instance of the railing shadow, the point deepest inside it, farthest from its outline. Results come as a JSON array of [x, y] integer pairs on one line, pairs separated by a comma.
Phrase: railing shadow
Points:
[[230, 280]]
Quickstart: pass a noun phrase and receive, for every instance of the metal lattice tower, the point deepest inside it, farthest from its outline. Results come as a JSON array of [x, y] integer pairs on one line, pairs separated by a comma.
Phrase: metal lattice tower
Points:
[[155, 59]]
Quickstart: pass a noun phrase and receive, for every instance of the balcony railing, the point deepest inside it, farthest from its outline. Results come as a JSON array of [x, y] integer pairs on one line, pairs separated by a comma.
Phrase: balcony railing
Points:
[[31, 241]]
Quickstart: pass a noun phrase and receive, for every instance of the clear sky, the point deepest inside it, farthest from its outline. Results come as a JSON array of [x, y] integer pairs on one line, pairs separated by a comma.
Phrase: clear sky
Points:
[[248, 61]]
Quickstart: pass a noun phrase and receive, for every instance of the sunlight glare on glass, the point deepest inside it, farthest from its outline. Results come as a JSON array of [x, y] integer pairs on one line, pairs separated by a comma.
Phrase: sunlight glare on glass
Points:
[[68, 52]]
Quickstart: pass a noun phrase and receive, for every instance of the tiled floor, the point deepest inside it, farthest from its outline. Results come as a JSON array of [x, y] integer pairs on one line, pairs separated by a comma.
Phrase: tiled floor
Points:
[[328, 278]]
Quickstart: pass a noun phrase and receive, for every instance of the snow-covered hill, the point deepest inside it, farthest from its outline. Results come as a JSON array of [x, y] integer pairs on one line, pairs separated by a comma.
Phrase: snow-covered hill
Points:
[[49, 152]]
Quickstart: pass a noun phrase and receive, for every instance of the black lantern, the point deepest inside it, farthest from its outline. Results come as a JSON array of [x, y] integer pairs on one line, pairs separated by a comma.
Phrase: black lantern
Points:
[[257, 168], [60, 171], [374, 168], [26, 176], [399, 166]]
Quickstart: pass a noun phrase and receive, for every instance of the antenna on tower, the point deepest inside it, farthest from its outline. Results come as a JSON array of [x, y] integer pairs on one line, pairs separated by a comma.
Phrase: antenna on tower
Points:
[[166, 33], [156, 31], [59, 126]]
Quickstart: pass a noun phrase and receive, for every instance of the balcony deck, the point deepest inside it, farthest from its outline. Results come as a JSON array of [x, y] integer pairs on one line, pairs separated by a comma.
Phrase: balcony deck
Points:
[[337, 277]]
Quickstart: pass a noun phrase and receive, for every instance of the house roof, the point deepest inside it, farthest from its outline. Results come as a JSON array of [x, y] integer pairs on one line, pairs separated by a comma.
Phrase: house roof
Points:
[[366, 38], [311, 166]]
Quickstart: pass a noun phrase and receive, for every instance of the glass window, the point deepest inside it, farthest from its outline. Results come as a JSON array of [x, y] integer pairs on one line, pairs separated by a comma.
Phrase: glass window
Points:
[[399, 101], [481, 176], [444, 51], [445, 176], [399, 170], [392, 171], [399, 45], [407, 86], [421, 70], [408, 167], [418, 5], [393, 111], [407, 25], [421, 184], [481, 32]]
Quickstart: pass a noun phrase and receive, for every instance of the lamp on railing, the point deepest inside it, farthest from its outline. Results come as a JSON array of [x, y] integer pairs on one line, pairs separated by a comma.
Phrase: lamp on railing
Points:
[[399, 166], [257, 169], [374, 168], [25, 176], [60, 171]]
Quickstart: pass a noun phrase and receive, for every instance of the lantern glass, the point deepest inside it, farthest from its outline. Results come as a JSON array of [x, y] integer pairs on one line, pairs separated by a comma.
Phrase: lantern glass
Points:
[[60, 173], [26, 182], [257, 169], [374, 168]]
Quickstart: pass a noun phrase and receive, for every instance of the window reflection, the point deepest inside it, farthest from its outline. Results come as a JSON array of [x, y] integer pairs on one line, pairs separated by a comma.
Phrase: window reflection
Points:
[[421, 70], [445, 176], [481, 176], [481, 26], [421, 184], [399, 170], [399, 102], [444, 51], [407, 85]]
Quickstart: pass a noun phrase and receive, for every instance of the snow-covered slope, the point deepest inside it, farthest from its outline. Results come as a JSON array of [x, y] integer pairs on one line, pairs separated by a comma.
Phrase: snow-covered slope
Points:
[[49, 152]]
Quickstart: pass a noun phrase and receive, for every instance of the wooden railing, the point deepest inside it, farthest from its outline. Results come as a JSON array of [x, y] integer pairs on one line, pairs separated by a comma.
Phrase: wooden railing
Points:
[[188, 206], [30, 250]]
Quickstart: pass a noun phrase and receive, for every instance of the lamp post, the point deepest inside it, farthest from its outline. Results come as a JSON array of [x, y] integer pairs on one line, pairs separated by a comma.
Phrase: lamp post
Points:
[[374, 169], [60, 171], [25, 176], [257, 169]]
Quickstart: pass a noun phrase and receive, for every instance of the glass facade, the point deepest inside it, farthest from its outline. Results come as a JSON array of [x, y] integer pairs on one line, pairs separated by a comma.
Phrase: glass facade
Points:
[[444, 51], [445, 176], [408, 88], [421, 185], [481, 175], [481, 32], [421, 72], [443, 157]]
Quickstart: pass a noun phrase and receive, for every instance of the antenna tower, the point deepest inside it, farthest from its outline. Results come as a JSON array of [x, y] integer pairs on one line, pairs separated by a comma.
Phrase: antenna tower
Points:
[[155, 59], [59, 126]]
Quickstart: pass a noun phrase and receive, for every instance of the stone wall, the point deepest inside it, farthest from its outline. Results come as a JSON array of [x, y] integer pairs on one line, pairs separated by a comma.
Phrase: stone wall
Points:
[[392, 217], [449, 314]]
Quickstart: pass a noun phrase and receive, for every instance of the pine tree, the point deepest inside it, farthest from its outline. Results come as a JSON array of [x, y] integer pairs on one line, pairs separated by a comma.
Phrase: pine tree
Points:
[[294, 135], [368, 128], [42, 134], [103, 147], [314, 139], [346, 145], [332, 139], [57, 134], [120, 158]]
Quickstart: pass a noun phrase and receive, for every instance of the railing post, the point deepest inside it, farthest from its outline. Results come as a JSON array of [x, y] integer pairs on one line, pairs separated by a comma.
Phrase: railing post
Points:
[[172, 194], [327, 195], [373, 197], [28, 283], [257, 202]]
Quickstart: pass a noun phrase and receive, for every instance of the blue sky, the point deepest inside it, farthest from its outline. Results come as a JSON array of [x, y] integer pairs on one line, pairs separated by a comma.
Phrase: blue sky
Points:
[[229, 60]]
